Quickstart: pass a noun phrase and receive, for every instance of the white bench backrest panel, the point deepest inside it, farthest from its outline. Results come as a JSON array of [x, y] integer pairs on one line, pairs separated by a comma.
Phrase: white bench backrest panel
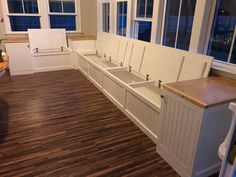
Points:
[[112, 43], [133, 53], [85, 45], [190, 56], [192, 69], [100, 47], [161, 65], [128, 53], [122, 50], [137, 55], [47, 38]]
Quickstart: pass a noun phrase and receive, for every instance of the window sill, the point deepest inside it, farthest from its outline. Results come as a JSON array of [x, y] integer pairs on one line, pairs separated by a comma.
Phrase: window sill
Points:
[[224, 69]]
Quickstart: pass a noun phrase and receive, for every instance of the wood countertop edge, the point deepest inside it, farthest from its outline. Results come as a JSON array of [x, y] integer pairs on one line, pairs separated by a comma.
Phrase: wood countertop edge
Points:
[[185, 96], [196, 101], [80, 38]]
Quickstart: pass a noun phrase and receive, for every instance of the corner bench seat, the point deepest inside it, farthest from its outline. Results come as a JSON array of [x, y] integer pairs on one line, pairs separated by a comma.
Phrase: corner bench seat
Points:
[[138, 93]]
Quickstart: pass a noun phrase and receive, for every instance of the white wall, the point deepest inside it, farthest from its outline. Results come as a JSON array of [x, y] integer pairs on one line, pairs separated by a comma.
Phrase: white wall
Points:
[[89, 16]]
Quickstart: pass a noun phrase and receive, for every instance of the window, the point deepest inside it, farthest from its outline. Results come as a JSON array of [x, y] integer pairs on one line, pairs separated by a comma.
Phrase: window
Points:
[[106, 17], [121, 18], [63, 14], [143, 20], [23, 14], [178, 23], [144, 8], [222, 43], [143, 30]]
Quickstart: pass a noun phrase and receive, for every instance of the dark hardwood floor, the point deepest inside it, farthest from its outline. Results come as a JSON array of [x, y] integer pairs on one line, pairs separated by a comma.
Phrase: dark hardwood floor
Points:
[[59, 124]]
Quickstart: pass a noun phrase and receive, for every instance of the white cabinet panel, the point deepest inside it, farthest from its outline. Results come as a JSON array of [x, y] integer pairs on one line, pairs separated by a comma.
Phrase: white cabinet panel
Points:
[[20, 58], [189, 136], [143, 113]]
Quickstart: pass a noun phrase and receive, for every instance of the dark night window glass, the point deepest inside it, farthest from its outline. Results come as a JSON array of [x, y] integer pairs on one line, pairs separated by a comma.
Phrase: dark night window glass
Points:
[[31, 6], [121, 18], [181, 23], [15, 6], [144, 8], [171, 19], [233, 57], [185, 24], [144, 30], [28, 6], [149, 9], [222, 31], [55, 5], [63, 21], [106, 17], [23, 23], [69, 6], [141, 8]]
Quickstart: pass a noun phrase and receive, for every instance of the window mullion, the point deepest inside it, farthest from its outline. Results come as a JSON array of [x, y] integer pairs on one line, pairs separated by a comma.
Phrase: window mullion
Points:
[[23, 6], [232, 45], [177, 28], [122, 15], [62, 6], [145, 10]]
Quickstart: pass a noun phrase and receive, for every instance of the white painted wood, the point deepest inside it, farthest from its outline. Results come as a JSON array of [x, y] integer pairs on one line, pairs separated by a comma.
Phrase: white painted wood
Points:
[[126, 76], [150, 92], [137, 55], [47, 39], [122, 49], [190, 71], [84, 45], [189, 136], [83, 65], [128, 53], [20, 58], [52, 62], [142, 112], [96, 75], [112, 46], [190, 57], [115, 90], [161, 65]]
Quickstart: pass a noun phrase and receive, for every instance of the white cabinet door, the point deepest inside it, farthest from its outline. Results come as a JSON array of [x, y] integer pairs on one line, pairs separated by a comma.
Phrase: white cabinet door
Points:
[[20, 58]]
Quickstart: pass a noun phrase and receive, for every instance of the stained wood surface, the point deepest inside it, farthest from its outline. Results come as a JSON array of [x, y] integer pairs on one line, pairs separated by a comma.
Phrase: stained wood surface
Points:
[[25, 38], [78, 37], [59, 124], [205, 92]]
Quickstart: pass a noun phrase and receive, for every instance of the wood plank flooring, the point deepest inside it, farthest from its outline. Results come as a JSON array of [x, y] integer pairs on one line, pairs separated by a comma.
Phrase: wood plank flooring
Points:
[[59, 124]]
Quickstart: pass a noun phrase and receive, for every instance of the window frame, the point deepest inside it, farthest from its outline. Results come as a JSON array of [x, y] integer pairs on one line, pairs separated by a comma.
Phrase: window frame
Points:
[[43, 13], [7, 15], [154, 20], [76, 14], [127, 16], [110, 19], [217, 64], [178, 24]]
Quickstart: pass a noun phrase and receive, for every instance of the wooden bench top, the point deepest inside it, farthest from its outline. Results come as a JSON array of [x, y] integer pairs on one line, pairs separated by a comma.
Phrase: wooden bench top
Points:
[[78, 37], [205, 92], [25, 38], [17, 39]]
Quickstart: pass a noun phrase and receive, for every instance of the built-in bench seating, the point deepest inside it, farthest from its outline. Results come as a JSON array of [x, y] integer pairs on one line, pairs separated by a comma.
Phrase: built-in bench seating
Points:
[[131, 73]]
